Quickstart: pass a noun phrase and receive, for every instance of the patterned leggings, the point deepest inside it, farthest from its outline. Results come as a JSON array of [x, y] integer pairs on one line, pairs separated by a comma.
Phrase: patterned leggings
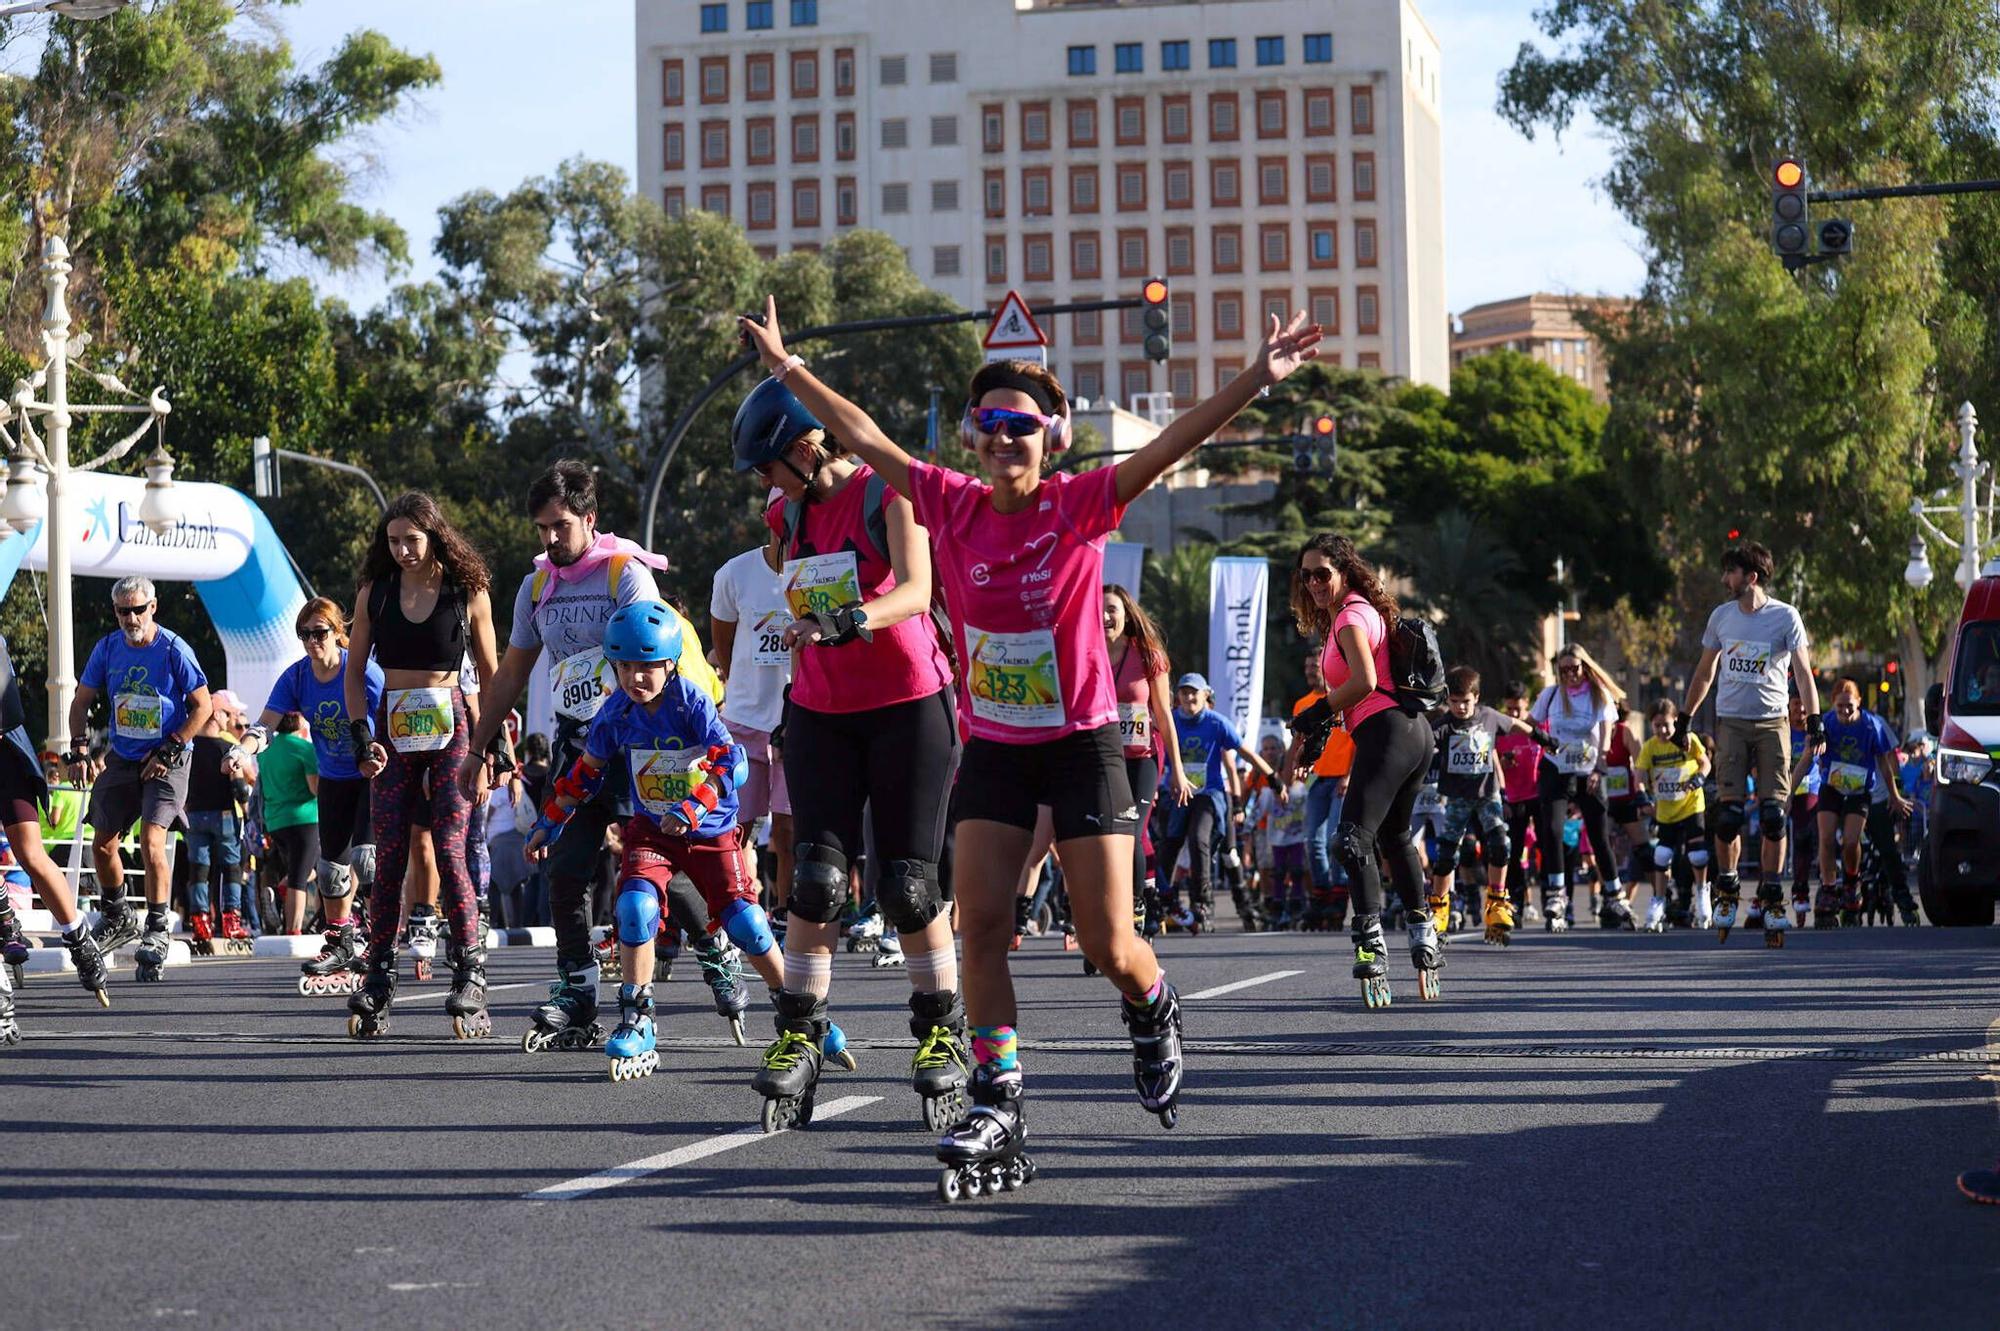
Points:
[[409, 782]]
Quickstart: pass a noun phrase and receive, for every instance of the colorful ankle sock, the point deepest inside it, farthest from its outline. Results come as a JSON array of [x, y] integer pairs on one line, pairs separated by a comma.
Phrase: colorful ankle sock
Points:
[[1152, 995], [996, 1045]]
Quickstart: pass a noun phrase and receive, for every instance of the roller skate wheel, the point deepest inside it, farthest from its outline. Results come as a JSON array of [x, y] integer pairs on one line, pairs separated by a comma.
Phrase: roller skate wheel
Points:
[[474, 1027], [1375, 992], [950, 1188], [103, 997], [10, 1034], [845, 1059], [942, 1112], [1427, 985], [975, 1183], [736, 1030], [1774, 938], [1169, 1117], [310, 986], [807, 1103], [354, 1026], [148, 974], [421, 969], [534, 1040], [780, 1114]]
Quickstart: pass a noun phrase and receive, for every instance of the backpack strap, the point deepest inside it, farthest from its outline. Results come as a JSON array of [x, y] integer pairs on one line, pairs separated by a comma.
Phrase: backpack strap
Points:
[[874, 521]]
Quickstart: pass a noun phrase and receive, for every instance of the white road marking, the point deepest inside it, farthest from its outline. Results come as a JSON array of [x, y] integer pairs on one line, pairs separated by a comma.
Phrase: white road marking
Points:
[[491, 989], [681, 1155], [1250, 983]]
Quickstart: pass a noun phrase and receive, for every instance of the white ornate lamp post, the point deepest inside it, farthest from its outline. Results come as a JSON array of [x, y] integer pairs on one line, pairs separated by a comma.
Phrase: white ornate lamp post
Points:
[[1973, 515]]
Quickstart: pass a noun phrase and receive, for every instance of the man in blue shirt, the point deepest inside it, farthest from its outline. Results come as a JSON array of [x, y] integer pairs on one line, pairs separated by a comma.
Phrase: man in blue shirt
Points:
[[159, 699], [1207, 740]]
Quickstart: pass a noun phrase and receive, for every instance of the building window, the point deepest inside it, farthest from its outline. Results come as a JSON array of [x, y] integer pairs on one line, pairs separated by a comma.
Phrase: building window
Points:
[[1083, 124], [1181, 307], [1131, 121], [843, 136], [1361, 110], [1319, 178], [1222, 53], [1222, 117], [1323, 248], [895, 197], [895, 133], [805, 203], [715, 199], [944, 67], [762, 137], [1129, 57], [805, 138], [757, 15], [1272, 185], [1324, 304], [846, 201], [944, 131], [1270, 115], [805, 74], [673, 86], [992, 128], [1176, 120], [1084, 261], [1225, 190], [1089, 379], [1364, 244], [995, 191], [1367, 315], [1131, 188], [996, 258], [1083, 189], [1368, 360], [1087, 328], [715, 18], [1128, 326], [1319, 112], [763, 207], [1038, 262], [757, 78], [805, 13], [1135, 377], [1035, 192], [1132, 254], [1364, 175], [1180, 251], [1034, 126], [1277, 305], [1179, 184], [1270, 50], [944, 261], [944, 196], [895, 71], [1180, 382], [1274, 247], [1226, 249], [843, 72], [1228, 314], [714, 143], [676, 201], [1173, 55], [1082, 61], [676, 138], [715, 78]]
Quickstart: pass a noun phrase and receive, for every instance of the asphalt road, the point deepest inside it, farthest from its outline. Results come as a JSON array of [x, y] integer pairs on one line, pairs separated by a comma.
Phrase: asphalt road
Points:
[[1585, 1130]]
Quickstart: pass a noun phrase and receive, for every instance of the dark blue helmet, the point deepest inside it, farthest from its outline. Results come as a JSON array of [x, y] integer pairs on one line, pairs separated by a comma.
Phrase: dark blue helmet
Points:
[[644, 632], [767, 423]]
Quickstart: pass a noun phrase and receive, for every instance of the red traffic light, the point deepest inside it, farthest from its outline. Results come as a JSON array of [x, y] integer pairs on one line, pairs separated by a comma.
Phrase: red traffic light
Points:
[[1788, 173], [1735, 533], [1891, 668], [1323, 426], [1154, 292]]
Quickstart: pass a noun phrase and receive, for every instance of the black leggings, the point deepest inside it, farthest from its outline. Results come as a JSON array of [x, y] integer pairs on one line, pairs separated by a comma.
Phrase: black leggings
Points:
[[1520, 817], [1392, 752], [895, 762], [1144, 774], [1197, 834], [1558, 790]]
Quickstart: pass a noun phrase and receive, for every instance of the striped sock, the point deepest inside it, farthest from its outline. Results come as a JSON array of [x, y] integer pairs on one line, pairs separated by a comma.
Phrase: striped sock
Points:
[[996, 1045], [1152, 996], [809, 973]]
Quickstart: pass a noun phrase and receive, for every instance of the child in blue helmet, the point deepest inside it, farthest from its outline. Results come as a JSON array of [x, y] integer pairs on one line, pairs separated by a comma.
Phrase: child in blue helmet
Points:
[[685, 770]]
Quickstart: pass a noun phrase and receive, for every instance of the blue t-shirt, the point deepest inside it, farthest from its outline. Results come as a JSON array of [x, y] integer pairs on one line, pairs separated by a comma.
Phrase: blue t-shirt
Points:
[[1847, 766], [324, 707], [661, 748], [148, 688], [1810, 785], [1204, 739]]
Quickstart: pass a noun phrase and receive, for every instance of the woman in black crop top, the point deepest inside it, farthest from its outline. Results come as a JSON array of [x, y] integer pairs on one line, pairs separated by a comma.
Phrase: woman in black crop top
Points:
[[422, 608]]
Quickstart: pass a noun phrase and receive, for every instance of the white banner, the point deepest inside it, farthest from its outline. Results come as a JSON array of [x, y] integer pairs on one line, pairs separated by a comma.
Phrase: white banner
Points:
[[1237, 591], [1124, 562]]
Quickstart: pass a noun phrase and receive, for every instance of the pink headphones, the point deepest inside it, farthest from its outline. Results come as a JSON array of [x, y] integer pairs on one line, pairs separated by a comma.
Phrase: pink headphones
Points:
[[1058, 433]]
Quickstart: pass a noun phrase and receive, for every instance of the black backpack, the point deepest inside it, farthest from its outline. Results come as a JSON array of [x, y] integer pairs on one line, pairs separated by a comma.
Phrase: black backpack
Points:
[[1416, 666]]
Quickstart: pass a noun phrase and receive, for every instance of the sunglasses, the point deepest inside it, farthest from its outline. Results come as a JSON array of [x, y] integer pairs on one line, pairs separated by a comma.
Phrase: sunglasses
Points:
[[1569, 668], [133, 611], [1324, 573], [998, 421], [315, 635]]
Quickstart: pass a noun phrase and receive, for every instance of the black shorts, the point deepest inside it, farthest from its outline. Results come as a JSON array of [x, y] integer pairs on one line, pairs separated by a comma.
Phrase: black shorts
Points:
[[1081, 777], [343, 816], [23, 790], [1852, 804], [1689, 832]]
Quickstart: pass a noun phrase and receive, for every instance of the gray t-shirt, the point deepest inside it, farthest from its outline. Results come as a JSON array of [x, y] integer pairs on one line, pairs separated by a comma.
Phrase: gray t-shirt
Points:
[[572, 616], [1754, 669]]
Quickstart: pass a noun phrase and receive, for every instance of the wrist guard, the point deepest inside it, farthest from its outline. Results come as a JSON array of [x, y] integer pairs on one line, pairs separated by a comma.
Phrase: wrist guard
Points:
[[550, 825], [360, 738], [1546, 740], [260, 735], [172, 752], [1681, 731], [1815, 728], [840, 627], [1315, 726], [580, 785]]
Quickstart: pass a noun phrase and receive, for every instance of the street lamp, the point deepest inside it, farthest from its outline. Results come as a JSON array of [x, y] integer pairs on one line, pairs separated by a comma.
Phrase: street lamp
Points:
[[31, 457], [1918, 571], [1971, 546], [85, 10]]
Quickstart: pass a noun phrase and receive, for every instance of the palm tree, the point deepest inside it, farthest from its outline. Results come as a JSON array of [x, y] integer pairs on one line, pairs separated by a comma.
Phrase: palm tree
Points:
[[1460, 574], [1176, 596]]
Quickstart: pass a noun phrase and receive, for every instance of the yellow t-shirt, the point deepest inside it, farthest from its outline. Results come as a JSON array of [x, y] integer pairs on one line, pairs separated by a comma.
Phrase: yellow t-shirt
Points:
[[694, 663], [1676, 774]]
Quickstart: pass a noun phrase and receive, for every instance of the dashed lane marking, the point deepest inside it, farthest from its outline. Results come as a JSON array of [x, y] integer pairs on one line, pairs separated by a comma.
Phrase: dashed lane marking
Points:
[[1250, 983]]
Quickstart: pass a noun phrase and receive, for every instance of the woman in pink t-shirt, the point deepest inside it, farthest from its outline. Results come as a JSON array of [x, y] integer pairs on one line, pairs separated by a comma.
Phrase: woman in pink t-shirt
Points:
[[1021, 557], [1145, 713], [1338, 599]]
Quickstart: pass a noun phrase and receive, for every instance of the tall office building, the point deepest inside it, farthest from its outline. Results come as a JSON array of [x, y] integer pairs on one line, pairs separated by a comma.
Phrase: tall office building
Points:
[[1261, 155]]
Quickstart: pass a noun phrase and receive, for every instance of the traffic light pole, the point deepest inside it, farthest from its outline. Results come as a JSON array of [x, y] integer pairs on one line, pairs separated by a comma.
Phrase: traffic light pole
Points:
[[656, 475]]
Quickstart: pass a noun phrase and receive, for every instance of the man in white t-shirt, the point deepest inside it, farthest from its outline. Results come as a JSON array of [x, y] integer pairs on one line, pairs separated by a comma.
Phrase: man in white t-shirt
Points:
[[747, 619], [1757, 647]]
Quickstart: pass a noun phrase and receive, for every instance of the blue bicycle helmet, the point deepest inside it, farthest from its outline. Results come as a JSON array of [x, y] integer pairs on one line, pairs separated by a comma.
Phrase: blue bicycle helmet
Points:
[[767, 422], [644, 632]]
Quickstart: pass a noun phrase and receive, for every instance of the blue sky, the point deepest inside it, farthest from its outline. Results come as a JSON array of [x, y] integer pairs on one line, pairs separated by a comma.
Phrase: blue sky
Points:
[[528, 83]]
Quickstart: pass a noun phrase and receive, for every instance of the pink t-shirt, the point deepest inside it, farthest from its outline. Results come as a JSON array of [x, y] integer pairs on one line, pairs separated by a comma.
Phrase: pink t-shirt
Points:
[[1026, 596], [1132, 677], [1356, 610], [832, 562]]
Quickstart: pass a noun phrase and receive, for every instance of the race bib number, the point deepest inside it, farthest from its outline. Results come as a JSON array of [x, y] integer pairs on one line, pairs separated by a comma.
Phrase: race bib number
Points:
[[1618, 783], [662, 778], [138, 715], [581, 683], [420, 720], [767, 640], [1012, 678], [1743, 659], [1429, 801], [821, 584], [1847, 778], [1135, 724], [1576, 757], [1672, 783], [1470, 753]]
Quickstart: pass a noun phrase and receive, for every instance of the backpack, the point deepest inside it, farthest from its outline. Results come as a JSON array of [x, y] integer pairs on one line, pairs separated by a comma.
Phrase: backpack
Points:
[[1416, 666]]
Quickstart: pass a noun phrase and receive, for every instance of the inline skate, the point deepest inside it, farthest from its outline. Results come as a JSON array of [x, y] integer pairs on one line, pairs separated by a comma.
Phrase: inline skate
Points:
[[117, 925], [632, 1047], [1499, 918], [14, 945], [1851, 902], [568, 1020], [983, 1154], [722, 968], [424, 931], [368, 1008], [10, 1030], [888, 951], [1656, 914], [201, 934], [1371, 961], [789, 1077], [937, 1072], [89, 962], [1826, 907], [1776, 919], [1802, 906], [1555, 909], [1425, 954], [1726, 888], [865, 934], [1155, 1029], [1612, 910], [466, 1003], [337, 969], [149, 959], [235, 939]]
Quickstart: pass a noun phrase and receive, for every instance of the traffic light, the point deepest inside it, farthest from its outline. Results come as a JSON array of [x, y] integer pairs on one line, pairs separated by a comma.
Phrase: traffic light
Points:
[[1157, 319], [1789, 236], [1836, 236], [1735, 534]]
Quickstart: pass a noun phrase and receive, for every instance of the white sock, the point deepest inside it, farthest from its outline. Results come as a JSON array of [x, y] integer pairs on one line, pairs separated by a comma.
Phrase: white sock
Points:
[[933, 972], [809, 973]]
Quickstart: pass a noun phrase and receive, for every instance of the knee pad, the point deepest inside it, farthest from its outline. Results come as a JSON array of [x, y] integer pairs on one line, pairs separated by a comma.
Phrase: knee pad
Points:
[[1663, 855], [908, 894], [1698, 856], [748, 927], [335, 880], [362, 860], [1354, 844], [1771, 820], [638, 912], [1445, 862], [819, 883], [1730, 820], [1498, 848]]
